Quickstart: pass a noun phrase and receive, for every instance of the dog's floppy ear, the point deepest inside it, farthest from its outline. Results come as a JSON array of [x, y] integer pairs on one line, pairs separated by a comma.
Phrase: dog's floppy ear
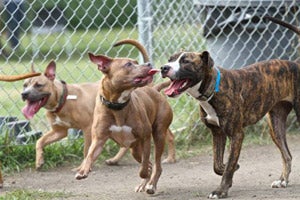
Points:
[[50, 70], [207, 59], [102, 61]]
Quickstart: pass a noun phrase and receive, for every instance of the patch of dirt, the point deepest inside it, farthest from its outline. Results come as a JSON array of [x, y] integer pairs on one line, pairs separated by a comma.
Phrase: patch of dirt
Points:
[[191, 178]]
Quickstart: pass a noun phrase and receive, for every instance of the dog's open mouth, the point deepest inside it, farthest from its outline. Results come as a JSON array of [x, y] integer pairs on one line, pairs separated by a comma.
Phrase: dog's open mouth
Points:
[[177, 87], [146, 79], [32, 107]]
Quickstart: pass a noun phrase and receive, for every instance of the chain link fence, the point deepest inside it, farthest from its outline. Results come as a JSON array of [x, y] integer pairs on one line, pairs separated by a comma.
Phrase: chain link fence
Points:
[[38, 31]]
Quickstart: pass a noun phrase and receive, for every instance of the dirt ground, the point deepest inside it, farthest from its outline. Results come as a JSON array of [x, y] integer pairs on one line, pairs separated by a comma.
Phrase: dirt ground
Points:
[[191, 178]]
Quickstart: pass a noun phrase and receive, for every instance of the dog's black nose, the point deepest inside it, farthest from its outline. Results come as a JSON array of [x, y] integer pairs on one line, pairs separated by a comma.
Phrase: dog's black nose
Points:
[[24, 95], [165, 69]]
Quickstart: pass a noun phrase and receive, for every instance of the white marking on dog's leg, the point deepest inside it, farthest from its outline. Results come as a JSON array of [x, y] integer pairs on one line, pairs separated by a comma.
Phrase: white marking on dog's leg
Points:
[[213, 196], [279, 184]]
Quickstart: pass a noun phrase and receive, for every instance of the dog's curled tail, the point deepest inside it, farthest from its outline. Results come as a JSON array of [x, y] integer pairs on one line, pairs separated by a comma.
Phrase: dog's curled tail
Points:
[[283, 23], [137, 44], [11, 78]]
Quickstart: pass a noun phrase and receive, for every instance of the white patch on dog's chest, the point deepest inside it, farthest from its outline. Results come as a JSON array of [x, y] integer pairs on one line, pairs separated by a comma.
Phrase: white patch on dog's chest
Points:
[[211, 117], [60, 122], [122, 135], [194, 91]]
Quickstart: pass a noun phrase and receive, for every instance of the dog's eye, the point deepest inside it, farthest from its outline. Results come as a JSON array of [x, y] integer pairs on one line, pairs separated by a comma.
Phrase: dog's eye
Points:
[[129, 64], [38, 85], [185, 61], [25, 85]]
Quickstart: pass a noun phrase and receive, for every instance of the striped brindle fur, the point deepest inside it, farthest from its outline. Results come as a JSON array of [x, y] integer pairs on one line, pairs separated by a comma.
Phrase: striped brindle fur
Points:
[[244, 97]]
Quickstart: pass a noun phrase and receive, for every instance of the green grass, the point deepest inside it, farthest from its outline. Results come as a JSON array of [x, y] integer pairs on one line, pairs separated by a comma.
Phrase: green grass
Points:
[[20, 194]]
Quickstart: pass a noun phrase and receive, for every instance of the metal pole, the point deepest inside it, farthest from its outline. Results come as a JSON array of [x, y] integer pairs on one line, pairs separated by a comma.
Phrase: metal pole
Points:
[[144, 26]]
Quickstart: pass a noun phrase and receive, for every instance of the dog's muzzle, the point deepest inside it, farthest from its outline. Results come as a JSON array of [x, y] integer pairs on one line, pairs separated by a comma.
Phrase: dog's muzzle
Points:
[[165, 70], [25, 95]]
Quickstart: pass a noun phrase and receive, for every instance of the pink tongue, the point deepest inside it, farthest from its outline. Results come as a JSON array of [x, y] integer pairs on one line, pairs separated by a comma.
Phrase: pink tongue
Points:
[[30, 109], [153, 71], [173, 88]]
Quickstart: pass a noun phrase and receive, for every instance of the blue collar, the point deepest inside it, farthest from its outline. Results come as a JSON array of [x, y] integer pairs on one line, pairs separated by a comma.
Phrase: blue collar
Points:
[[218, 79]]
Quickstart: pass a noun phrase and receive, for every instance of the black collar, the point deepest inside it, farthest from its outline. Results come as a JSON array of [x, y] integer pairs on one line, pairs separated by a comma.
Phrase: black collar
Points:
[[112, 105]]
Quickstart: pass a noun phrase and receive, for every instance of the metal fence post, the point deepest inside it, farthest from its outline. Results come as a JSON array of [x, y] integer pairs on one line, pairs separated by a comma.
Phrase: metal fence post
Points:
[[144, 25]]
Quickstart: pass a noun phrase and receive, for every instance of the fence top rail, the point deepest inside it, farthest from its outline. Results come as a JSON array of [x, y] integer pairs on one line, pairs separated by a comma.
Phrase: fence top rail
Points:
[[244, 3]]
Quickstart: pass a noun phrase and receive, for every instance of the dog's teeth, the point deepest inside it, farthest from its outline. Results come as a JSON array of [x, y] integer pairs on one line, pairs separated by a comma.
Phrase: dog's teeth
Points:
[[184, 84]]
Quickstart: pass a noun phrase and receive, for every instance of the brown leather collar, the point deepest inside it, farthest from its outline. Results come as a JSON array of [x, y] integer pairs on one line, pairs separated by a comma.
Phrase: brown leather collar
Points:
[[63, 98]]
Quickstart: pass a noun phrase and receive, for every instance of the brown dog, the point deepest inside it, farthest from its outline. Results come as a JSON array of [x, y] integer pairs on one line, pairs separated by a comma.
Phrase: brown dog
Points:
[[11, 78], [65, 105], [130, 113], [170, 137], [233, 99], [68, 106]]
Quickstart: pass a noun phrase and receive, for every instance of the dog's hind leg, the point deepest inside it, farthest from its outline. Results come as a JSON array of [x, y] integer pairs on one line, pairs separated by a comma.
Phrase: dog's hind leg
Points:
[[170, 138], [277, 122], [114, 160]]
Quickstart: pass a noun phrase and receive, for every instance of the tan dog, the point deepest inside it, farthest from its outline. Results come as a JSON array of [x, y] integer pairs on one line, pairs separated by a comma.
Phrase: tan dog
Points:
[[68, 106], [130, 113], [170, 137], [11, 78], [233, 99]]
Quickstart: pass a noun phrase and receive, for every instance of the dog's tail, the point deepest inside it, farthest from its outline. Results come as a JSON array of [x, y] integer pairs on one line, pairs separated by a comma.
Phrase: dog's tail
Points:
[[286, 25], [283, 23], [137, 44], [11, 78]]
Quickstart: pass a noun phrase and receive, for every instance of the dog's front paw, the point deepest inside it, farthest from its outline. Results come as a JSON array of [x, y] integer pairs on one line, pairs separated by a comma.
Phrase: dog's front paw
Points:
[[217, 195], [150, 189], [80, 176], [39, 164], [279, 184]]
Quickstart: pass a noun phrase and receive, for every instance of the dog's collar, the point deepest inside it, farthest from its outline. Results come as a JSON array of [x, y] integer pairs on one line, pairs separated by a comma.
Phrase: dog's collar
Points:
[[204, 97], [63, 98], [113, 105]]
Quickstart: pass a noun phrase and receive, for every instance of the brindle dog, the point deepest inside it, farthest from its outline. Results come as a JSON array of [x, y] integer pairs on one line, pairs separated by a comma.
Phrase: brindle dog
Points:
[[11, 78], [233, 99]]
